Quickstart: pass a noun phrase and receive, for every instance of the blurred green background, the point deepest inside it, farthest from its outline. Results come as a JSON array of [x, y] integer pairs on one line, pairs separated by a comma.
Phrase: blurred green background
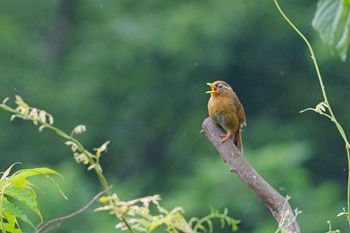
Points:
[[134, 72]]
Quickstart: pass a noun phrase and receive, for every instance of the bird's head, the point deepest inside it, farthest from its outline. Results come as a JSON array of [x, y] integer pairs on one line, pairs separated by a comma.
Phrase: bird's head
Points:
[[219, 87]]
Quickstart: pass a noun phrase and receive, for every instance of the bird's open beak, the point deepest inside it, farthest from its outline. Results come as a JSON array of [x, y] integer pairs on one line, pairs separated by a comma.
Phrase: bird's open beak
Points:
[[213, 88]]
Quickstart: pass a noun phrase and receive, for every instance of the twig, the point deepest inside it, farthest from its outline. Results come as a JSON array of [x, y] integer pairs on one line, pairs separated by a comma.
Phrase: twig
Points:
[[42, 226], [277, 204]]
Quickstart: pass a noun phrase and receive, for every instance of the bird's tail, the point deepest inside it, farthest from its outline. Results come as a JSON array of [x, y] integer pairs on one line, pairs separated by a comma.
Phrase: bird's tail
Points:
[[238, 141]]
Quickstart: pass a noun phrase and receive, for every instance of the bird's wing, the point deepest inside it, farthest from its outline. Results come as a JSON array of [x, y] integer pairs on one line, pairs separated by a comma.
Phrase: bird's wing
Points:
[[240, 111]]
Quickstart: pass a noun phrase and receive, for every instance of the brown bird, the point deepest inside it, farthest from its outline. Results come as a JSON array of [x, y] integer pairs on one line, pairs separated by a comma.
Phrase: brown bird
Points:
[[226, 110]]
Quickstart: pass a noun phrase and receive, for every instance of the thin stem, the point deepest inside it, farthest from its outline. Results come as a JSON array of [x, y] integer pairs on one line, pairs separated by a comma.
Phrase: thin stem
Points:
[[43, 226], [91, 157], [81, 148], [331, 115], [310, 49], [348, 196]]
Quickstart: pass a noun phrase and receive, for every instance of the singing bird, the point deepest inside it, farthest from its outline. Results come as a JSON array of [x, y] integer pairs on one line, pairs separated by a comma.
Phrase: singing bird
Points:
[[226, 110]]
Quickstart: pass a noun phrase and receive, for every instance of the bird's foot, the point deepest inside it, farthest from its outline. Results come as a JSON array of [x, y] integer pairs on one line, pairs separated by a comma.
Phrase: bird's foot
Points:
[[225, 137]]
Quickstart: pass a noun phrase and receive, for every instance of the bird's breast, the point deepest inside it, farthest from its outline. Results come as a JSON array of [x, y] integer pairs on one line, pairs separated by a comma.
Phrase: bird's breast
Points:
[[217, 105], [223, 112]]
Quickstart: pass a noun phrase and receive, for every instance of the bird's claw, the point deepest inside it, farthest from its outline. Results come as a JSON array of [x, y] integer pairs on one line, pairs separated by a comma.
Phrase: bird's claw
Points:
[[225, 137]]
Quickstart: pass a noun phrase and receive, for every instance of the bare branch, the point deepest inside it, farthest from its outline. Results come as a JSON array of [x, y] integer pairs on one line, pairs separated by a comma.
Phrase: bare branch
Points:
[[43, 226], [277, 204]]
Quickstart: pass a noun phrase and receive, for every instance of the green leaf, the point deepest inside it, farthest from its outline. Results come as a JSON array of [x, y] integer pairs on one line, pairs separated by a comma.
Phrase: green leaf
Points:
[[11, 225], [19, 188], [11, 209], [26, 196], [6, 227], [328, 20], [7, 172], [343, 43], [20, 176]]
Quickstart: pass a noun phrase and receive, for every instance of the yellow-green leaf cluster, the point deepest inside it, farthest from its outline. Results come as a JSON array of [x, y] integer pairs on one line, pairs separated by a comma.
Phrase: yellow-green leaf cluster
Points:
[[79, 129], [18, 187], [205, 224], [138, 215], [34, 114]]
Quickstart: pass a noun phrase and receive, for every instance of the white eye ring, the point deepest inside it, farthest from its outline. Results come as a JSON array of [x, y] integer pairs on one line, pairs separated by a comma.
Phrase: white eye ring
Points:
[[220, 86]]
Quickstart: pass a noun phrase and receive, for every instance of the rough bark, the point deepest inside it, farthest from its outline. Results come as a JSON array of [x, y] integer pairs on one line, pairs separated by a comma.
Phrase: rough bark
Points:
[[277, 204]]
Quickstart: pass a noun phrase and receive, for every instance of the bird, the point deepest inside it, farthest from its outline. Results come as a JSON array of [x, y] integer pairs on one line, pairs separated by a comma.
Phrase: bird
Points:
[[226, 110]]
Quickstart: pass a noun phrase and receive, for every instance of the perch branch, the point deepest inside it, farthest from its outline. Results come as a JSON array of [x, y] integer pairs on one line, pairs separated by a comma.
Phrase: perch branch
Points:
[[277, 204]]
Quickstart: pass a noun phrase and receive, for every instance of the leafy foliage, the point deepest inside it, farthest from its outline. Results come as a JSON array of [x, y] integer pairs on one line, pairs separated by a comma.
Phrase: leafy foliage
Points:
[[332, 21], [45, 120], [138, 216], [134, 214], [16, 189], [201, 225]]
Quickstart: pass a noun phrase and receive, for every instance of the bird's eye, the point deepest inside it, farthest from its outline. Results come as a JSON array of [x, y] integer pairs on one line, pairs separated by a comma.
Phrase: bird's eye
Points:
[[220, 86]]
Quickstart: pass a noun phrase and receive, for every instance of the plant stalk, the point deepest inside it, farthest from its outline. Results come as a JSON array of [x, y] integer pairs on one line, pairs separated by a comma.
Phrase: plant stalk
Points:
[[331, 114]]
